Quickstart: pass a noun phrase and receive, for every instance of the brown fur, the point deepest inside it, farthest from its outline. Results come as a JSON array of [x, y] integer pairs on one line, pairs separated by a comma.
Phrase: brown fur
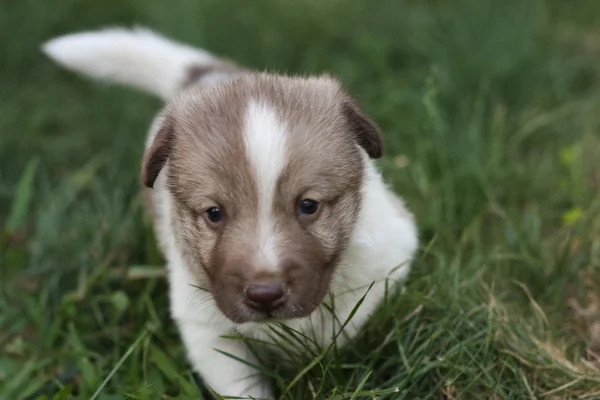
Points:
[[202, 137], [196, 73]]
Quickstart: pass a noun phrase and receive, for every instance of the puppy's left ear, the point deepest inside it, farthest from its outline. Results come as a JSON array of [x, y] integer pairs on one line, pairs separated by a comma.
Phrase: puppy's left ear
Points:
[[365, 130]]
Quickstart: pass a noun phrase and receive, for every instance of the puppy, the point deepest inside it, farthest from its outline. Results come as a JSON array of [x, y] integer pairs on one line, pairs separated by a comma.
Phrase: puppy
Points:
[[265, 197]]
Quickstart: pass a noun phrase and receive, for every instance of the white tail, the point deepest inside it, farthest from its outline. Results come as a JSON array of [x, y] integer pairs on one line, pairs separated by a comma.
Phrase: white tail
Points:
[[136, 57]]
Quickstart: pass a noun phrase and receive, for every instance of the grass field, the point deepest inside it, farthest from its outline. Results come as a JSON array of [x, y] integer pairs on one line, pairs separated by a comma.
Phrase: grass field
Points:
[[491, 112]]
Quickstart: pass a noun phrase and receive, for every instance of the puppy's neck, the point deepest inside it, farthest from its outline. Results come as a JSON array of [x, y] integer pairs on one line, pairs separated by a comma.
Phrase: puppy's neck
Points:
[[384, 238]]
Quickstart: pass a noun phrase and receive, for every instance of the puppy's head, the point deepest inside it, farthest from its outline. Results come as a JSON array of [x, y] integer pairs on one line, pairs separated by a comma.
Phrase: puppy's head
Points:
[[265, 173]]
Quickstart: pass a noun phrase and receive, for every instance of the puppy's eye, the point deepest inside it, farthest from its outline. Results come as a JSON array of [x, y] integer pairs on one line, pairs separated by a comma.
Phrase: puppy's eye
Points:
[[308, 207], [214, 215]]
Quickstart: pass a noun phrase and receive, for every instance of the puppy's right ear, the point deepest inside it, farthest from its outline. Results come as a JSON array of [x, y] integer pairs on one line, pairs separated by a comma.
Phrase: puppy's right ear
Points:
[[159, 151]]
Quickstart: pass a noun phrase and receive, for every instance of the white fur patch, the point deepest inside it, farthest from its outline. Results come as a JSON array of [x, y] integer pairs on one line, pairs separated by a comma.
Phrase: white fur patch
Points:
[[265, 146]]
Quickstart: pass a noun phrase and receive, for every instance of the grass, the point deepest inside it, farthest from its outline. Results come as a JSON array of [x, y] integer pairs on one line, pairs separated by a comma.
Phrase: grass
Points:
[[490, 111]]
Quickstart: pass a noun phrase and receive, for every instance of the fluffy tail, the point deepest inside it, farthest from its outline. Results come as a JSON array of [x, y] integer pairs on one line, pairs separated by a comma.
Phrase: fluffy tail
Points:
[[136, 57]]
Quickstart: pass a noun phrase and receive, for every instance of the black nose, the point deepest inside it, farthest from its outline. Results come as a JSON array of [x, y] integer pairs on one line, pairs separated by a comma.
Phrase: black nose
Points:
[[265, 297]]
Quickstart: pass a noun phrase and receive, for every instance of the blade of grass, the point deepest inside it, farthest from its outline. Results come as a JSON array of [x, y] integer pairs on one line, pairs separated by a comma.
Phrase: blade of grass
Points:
[[23, 197], [119, 364]]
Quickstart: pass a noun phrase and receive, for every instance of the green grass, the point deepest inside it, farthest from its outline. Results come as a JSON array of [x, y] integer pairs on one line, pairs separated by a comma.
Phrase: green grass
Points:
[[491, 116]]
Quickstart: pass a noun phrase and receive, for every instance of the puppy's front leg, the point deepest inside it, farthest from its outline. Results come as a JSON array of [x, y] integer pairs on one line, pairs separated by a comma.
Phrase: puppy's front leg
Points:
[[224, 374]]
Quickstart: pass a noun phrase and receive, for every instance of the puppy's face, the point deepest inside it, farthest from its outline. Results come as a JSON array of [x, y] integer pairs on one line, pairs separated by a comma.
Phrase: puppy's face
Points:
[[266, 175]]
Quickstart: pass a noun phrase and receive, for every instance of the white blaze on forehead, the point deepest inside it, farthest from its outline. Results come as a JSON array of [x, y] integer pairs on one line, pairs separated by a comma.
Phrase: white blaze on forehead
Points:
[[265, 145]]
